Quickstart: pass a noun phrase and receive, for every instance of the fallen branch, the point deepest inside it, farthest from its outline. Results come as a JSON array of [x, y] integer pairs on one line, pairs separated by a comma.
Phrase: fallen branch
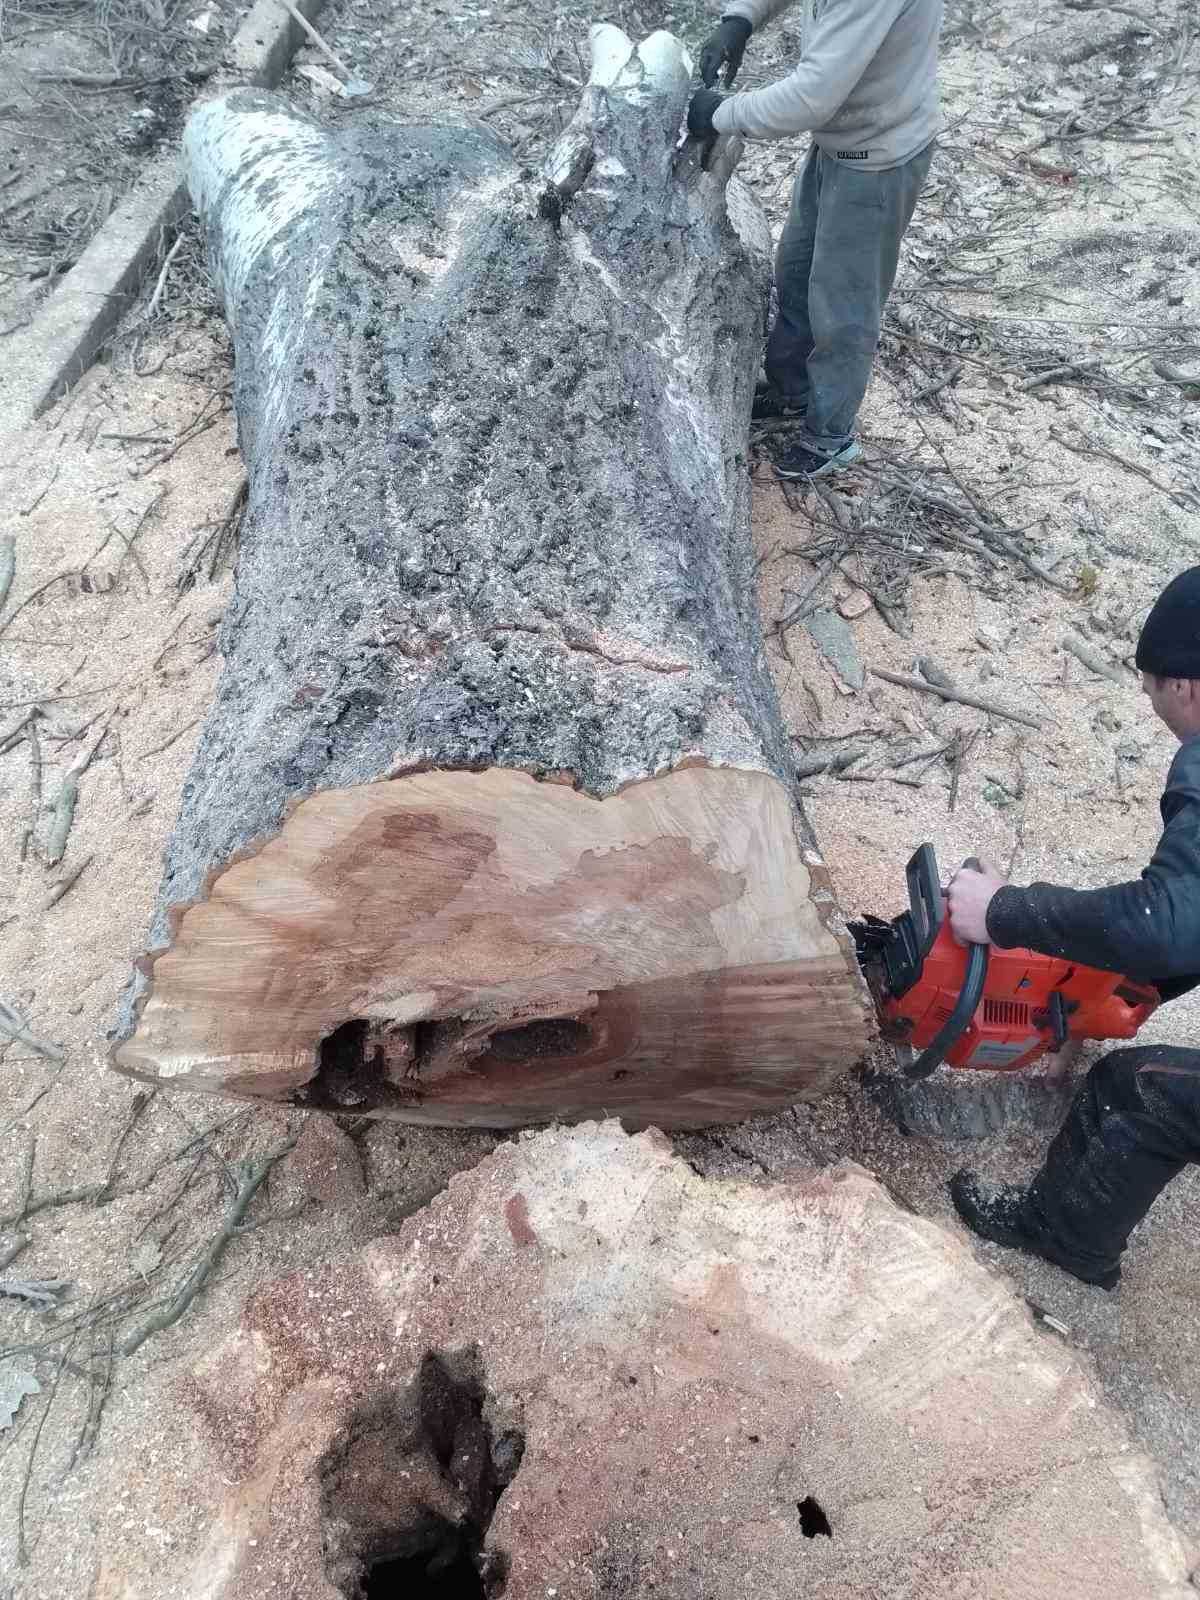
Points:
[[138, 1105], [91, 1193], [298, 16], [11, 1251], [22, 1547], [938, 384], [1078, 447], [1172, 374], [16, 1027], [28, 510], [813, 766], [962, 746], [161, 284], [64, 886], [157, 749], [1072, 369], [250, 1179], [960, 697], [16, 733], [35, 782], [1093, 662], [215, 544], [98, 1393], [1000, 538], [38, 1291], [68, 794], [8, 564]]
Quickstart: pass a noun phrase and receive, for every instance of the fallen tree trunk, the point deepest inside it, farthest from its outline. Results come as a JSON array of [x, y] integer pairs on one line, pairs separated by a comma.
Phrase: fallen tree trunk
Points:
[[492, 821]]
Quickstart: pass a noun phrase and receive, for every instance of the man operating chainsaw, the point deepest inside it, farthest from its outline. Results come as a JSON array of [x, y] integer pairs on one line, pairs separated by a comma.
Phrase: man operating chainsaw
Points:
[[1135, 1121], [866, 89]]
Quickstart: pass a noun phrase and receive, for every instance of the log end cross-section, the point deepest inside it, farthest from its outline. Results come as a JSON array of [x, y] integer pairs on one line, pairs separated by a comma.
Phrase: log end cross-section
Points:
[[482, 948]]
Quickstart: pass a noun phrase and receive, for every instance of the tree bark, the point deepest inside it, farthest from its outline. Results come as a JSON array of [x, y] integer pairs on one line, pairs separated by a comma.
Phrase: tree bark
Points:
[[493, 820]]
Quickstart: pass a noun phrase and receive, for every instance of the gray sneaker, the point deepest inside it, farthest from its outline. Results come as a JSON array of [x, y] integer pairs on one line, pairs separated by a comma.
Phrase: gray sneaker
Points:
[[798, 461]]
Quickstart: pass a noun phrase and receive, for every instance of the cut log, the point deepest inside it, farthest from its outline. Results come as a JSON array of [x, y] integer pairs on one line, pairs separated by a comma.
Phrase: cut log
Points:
[[493, 818]]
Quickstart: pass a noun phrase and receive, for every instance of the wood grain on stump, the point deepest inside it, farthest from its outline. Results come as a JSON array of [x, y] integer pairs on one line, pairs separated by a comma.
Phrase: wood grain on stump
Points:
[[584, 1368]]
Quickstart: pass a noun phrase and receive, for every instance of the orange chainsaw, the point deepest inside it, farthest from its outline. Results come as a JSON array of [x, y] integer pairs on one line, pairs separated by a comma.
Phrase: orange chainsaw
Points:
[[978, 1006]]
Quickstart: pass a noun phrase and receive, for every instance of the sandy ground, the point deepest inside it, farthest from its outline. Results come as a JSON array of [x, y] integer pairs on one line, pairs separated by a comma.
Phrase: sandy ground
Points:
[[88, 91], [1021, 258]]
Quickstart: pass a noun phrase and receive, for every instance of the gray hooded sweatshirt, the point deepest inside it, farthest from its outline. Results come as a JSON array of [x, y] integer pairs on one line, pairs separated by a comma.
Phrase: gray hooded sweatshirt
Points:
[[865, 86]]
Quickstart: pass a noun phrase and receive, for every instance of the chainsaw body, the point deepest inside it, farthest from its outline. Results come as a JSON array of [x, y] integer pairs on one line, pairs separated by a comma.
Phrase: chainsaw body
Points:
[[971, 1006]]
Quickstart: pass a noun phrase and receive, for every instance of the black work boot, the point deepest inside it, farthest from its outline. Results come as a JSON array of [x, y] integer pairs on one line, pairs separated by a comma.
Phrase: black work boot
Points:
[[1001, 1213], [770, 405]]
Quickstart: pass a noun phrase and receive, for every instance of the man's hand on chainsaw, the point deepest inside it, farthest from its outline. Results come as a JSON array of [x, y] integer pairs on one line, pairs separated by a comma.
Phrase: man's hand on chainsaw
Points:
[[968, 897]]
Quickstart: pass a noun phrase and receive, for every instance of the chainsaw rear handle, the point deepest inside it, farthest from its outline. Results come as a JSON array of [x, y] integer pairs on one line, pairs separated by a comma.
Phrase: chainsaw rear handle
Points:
[[921, 870]]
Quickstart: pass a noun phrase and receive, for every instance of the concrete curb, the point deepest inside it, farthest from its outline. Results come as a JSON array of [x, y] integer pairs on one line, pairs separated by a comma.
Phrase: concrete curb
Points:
[[60, 344]]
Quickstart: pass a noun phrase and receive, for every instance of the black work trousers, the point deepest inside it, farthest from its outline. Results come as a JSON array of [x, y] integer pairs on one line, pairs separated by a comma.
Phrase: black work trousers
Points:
[[1133, 1125]]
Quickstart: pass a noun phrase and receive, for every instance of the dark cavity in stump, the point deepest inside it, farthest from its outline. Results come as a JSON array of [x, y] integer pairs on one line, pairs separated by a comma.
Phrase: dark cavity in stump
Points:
[[446, 1570], [363, 1065], [409, 1488], [813, 1520]]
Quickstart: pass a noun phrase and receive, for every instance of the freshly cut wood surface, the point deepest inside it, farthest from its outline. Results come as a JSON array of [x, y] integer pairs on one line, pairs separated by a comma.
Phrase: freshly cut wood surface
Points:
[[492, 820], [690, 1389], [508, 951]]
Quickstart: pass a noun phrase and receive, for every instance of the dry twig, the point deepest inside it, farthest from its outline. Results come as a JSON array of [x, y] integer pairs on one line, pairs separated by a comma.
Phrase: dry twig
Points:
[[38, 1291], [16, 1027], [961, 697], [63, 887], [1093, 662], [1072, 369], [9, 1254], [68, 794], [1081, 448], [22, 1547], [89, 1193], [250, 1178], [8, 564]]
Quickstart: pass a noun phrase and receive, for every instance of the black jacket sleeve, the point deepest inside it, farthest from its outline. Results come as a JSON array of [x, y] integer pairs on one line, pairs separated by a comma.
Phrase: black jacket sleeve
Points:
[[1148, 929]]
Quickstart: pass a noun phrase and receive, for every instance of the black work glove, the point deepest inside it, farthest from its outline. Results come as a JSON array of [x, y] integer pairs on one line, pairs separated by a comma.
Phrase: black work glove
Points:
[[701, 108], [725, 47]]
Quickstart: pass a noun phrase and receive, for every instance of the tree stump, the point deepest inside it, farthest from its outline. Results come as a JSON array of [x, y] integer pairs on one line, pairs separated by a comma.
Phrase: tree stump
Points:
[[583, 1368], [493, 819]]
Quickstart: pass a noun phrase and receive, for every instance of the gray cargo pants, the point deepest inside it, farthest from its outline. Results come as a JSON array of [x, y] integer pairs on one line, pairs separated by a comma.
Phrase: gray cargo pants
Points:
[[834, 270]]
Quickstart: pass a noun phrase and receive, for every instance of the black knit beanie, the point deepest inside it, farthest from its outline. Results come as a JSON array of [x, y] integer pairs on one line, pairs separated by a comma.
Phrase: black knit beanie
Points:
[[1169, 646]]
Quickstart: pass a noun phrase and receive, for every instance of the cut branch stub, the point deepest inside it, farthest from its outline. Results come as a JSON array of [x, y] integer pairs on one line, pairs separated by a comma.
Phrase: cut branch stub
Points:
[[497, 532]]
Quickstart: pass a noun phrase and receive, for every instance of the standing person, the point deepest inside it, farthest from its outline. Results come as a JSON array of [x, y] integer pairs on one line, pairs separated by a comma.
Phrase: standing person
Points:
[[1135, 1122], [866, 89]]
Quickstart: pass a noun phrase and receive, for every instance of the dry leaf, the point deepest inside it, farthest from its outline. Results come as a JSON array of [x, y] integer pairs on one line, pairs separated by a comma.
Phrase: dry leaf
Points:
[[16, 1382], [146, 1257]]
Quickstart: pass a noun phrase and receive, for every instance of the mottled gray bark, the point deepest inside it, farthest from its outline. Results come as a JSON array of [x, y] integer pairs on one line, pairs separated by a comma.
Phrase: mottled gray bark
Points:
[[495, 428]]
